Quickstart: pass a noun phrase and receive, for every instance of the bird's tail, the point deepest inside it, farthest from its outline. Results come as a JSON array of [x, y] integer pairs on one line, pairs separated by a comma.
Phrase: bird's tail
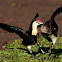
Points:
[[57, 11]]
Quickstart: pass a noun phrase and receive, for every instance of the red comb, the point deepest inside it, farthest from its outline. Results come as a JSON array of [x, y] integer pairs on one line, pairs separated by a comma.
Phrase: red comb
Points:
[[39, 20]]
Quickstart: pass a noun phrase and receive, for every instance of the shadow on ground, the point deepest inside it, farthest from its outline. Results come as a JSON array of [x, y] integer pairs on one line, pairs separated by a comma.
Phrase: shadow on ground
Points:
[[56, 52]]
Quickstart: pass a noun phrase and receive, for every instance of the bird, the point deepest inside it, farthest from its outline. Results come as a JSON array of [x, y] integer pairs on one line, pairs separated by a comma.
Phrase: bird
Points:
[[49, 29], [30, 36]]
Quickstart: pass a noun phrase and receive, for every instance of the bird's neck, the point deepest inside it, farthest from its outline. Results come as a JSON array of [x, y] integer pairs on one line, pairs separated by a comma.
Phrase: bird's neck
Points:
[[34, 30]]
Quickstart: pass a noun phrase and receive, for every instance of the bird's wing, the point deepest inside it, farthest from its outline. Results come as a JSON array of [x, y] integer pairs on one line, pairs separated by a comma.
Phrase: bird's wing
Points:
[[56, 12], [13, 29], [52, 22], [47, 36]]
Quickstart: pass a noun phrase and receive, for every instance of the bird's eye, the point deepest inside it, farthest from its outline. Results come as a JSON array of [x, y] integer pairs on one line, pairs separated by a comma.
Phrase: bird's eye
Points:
[[36, 21]]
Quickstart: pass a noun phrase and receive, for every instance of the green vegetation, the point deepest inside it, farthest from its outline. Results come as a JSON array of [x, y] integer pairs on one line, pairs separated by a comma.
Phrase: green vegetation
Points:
[[16, 52]]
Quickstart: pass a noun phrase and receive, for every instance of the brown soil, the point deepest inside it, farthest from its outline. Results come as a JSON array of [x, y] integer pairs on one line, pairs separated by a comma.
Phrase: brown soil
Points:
[[21, 12]]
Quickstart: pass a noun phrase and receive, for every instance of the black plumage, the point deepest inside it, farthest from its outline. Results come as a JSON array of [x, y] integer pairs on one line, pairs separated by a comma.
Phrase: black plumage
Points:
[[49, 29], [29, 39]]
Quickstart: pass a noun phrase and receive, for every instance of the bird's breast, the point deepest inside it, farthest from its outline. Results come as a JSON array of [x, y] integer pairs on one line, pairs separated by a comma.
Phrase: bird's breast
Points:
[[45, 29]]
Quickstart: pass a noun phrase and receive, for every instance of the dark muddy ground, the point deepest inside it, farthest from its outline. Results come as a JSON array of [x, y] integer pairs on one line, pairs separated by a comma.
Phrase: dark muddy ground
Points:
[[21, 12]]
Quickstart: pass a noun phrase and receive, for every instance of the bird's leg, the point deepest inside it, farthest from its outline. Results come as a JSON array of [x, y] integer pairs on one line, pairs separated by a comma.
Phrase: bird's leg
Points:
[[54, 39], [41, 49], [51, 46], [29, 48]]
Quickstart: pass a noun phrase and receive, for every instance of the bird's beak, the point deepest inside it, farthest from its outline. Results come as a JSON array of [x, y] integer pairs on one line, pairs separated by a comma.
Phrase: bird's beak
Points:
[[39, 25], [41, 22]]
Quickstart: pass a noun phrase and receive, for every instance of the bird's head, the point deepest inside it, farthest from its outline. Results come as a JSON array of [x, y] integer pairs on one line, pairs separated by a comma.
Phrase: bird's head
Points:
[[37, 21]]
